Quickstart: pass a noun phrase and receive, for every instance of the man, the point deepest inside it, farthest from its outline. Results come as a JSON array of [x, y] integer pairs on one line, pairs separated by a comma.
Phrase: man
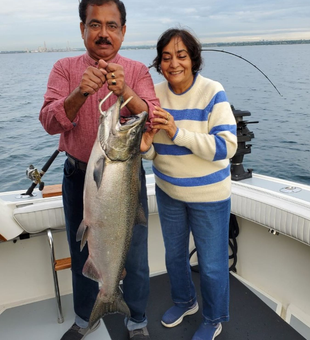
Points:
[[75, 87]]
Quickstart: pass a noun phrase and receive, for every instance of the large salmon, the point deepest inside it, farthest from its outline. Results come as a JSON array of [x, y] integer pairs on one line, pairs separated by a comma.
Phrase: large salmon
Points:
[[111, 205]]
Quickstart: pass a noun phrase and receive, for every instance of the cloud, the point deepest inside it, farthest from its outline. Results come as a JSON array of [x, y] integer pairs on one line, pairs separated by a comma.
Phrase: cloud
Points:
[[56, 23]]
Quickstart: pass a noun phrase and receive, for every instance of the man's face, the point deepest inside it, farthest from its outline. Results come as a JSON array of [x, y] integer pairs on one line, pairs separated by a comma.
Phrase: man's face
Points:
[[102, 32]]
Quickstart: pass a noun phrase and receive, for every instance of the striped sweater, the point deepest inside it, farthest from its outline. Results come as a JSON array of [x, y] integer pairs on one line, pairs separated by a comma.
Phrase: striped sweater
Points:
[[194, 166]]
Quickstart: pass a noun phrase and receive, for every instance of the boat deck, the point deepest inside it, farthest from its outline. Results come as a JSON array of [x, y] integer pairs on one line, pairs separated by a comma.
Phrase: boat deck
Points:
[[250, 318]]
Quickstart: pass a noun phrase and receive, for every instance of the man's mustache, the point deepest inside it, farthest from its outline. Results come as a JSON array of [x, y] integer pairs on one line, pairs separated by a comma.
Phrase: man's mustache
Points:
[[103, 41]]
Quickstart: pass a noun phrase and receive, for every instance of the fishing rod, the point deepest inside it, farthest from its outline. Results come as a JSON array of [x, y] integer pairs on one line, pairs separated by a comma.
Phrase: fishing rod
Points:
[[34, 175], [239, 56]]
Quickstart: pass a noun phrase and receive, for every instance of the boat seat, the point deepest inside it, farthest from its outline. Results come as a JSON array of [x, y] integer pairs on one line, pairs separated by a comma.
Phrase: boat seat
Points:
[[39, 216]]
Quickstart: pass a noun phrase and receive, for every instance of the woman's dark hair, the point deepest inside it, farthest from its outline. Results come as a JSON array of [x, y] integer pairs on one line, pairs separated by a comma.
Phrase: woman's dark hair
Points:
[[85, 3], [192, 44]]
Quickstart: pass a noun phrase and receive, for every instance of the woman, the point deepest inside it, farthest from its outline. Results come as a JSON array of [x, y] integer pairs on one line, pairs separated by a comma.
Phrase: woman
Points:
[[193, 137]]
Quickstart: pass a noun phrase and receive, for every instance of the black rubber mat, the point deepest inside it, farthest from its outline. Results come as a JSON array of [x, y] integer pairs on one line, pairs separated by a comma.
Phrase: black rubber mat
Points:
[[250, 318]]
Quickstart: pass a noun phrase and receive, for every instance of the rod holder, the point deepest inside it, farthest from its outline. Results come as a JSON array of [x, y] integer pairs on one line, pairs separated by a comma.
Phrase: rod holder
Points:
[[244, 135]]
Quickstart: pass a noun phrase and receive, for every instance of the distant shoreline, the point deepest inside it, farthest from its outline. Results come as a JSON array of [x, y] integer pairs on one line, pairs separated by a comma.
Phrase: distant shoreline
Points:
[[218, 44]]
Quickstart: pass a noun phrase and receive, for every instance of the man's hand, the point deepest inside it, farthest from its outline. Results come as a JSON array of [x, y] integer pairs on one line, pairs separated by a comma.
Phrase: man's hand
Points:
[[93, 79], [116, 79]]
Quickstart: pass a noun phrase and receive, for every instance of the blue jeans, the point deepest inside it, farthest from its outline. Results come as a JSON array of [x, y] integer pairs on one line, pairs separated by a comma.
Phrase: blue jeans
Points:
[[209, 224], [85, 290]]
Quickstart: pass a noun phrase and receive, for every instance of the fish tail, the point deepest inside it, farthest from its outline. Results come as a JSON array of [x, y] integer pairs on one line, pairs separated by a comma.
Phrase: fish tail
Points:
[[102, 308]]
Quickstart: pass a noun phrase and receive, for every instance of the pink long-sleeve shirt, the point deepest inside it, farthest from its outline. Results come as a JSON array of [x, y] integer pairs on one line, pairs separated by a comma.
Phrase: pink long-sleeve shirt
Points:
[[77, 137]]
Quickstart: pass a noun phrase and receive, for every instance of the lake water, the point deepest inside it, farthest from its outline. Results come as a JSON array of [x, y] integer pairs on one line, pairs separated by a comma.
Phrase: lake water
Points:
[[281, 145]]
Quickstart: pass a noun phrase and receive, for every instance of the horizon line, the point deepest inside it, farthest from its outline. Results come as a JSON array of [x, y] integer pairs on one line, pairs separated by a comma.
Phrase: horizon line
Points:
[[258, 42]]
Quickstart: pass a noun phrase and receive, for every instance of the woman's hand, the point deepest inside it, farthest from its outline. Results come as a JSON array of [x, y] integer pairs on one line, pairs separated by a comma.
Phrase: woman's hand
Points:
[[163, 120], [147, 140]]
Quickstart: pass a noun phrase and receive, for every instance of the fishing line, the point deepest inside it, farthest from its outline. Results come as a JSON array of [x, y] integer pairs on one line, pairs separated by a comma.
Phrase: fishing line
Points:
[[239, 56]]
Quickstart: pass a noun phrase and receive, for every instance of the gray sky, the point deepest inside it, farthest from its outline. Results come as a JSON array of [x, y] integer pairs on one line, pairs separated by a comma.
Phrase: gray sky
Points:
[[32, 23]]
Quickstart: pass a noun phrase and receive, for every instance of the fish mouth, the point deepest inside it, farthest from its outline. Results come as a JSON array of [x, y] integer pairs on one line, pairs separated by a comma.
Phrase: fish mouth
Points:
[[127, 122], [124, 121]]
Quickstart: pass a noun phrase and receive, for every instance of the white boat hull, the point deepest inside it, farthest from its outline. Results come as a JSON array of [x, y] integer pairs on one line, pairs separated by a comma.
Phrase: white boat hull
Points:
[[273, 244]]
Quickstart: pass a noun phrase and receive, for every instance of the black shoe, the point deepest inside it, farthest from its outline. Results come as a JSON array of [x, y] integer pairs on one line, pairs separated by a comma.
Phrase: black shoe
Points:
[[139, 334], [78, 333]]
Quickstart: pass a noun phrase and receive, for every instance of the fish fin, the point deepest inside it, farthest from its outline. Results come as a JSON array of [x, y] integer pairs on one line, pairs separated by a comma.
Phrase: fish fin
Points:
[[103, 307], [82, 234], [124, 273], [140, 217], [90, 270], [98, 171]]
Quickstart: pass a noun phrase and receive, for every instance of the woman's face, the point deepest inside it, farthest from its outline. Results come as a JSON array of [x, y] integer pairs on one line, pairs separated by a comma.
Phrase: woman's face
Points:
[[176, 65]]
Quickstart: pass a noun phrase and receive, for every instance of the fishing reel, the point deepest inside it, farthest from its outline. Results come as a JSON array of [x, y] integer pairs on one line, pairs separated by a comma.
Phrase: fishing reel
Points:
[[35, 176], [244, 135]]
